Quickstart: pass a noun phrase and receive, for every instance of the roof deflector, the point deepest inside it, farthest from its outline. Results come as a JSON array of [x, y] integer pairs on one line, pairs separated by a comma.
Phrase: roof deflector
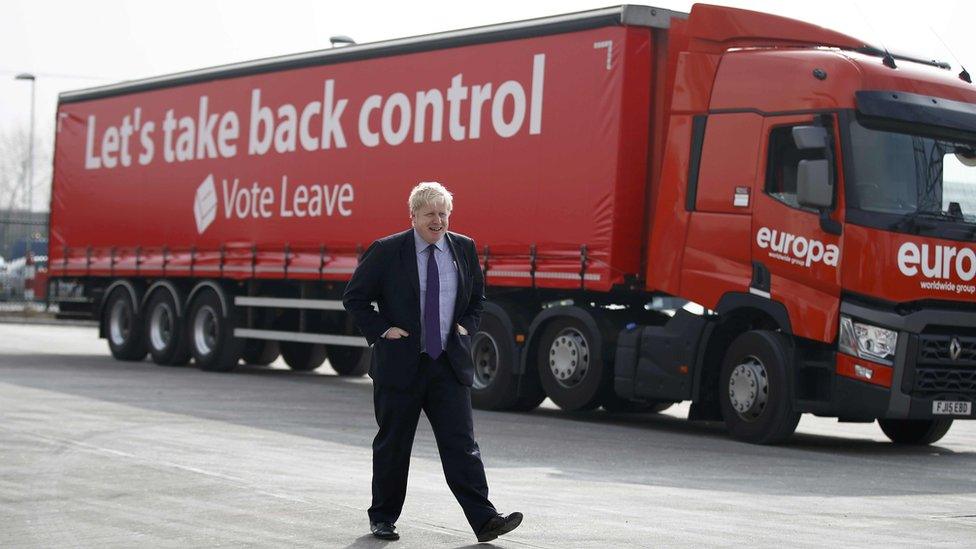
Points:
[[714, 29]]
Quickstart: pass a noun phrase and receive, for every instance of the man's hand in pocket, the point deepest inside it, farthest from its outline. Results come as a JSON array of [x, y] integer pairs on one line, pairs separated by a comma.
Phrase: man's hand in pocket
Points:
[[395, 333]]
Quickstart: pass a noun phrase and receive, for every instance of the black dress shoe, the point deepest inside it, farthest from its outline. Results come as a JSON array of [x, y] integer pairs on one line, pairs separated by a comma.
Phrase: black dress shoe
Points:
[[499, 525], [384, 530]]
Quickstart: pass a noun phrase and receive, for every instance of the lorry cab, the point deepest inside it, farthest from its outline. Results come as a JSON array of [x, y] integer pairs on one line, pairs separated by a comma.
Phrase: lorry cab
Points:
[[830, 199]]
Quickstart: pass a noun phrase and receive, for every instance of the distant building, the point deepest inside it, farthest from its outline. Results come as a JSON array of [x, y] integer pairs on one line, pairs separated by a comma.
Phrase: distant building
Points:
[[20, 229]]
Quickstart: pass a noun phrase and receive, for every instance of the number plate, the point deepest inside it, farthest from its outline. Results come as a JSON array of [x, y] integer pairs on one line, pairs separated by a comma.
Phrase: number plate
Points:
[[952, 408]]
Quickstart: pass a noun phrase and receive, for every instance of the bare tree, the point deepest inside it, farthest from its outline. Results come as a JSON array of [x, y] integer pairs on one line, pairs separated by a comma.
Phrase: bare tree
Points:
[[13, 169], [13, 166]]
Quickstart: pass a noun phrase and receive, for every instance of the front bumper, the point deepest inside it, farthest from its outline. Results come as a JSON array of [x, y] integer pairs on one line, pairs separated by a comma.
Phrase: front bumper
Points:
[[922, 372]]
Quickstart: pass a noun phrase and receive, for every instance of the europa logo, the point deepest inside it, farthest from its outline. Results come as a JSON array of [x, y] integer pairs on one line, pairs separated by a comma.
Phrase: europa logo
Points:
[[797, 250], [940, 262]]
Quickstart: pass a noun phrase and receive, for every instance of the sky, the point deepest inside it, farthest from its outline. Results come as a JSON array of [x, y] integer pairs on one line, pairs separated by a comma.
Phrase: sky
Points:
[[70, 44]]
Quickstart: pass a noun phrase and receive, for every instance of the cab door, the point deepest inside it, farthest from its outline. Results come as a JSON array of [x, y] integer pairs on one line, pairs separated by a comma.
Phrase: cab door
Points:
[[795, 253], [717, 255]]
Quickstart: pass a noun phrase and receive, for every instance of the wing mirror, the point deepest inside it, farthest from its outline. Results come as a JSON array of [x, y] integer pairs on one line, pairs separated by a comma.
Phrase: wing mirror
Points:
[[814, 178], [810, 137], [813, 186], [814, 189]]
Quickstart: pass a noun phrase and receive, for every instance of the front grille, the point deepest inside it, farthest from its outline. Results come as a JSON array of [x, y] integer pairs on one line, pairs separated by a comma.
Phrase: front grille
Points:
[[944, 380], [937, 350], [938, 369]]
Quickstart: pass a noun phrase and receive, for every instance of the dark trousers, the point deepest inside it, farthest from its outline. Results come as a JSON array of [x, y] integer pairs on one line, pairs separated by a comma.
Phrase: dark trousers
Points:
[[447, 404]]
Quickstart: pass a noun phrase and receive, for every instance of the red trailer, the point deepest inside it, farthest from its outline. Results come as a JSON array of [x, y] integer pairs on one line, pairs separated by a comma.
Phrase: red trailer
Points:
[[612, 166]]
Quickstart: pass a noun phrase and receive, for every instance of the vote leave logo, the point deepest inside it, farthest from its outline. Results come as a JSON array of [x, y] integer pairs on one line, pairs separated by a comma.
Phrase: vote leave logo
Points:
[[259, 201], [205, 204]]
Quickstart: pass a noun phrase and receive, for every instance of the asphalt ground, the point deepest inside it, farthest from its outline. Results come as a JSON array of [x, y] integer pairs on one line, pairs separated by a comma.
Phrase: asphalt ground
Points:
[[100, 453]]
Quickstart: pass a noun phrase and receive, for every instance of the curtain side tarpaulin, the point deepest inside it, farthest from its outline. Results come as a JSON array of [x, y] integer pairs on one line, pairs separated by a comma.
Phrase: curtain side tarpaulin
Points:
[[293, 173]]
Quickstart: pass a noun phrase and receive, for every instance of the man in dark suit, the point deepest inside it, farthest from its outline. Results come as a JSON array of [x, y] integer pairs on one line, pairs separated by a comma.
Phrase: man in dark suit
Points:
[[429, 288]]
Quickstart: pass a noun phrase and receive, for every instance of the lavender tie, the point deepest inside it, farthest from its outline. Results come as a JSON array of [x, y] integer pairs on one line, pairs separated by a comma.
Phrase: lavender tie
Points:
[[432, 307]]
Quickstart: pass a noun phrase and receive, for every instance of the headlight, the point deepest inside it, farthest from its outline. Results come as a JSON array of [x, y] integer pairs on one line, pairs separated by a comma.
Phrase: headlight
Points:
[[867, 341]]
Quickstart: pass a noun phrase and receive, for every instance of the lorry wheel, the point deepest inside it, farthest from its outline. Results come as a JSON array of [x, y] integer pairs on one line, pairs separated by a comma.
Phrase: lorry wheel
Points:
[[495, 385], [165, 332], [530, 392], [303, 357], [126, 339], [573, 375], [533, 397], [915, 431], [349, 361], [212, 341], [754, 393], [260, 352]]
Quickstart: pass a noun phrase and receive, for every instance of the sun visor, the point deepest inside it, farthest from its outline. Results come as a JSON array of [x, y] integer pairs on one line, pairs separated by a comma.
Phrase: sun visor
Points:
[[917, 109]]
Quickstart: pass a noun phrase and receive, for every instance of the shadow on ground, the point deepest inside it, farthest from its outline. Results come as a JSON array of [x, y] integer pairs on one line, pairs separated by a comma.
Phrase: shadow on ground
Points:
[[593, 446]]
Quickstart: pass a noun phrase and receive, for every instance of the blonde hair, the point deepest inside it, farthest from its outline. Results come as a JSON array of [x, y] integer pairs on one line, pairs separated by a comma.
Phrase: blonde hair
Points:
[[429, 192]]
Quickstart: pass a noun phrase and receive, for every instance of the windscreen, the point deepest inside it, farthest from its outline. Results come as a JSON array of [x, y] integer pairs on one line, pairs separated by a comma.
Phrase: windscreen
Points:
[[902, 173]]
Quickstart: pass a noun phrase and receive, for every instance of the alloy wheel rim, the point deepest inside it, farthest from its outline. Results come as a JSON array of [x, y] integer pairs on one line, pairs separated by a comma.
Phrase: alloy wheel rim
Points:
[[569, 357], [749, 388], [161, 326], [484, 354], [205, 330], [120, 322]]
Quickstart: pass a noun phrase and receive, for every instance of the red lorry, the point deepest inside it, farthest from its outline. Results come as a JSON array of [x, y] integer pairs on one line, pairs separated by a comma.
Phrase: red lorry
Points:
[[756, 214]]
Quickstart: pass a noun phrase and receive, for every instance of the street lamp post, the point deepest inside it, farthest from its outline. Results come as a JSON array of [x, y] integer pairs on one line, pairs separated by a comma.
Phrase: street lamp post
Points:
[[30, 145]]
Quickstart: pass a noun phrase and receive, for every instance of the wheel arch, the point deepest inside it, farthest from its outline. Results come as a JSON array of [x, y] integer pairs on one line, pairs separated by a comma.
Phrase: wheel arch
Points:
[[743, 304], [508, 321], [738, 313], [502, 314], [174, 292], [217, 287]]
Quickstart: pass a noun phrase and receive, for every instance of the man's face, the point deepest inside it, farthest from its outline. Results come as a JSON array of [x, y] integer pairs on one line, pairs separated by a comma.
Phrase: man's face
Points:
[[431, 221]]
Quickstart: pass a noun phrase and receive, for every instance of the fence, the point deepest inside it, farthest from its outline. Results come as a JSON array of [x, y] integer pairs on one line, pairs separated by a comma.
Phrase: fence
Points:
[[23, 258]]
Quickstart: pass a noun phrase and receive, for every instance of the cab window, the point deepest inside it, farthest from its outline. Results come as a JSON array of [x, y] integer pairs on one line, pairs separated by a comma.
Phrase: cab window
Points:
[[781, 167]]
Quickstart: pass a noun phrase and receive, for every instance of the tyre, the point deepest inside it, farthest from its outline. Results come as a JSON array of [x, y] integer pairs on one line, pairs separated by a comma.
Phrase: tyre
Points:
[[211, 334], [126, 338], [533, 394], [349, 361], [571, 370], [915, 431], [658, 407], [754, 390], [260, 352], [165, 332], [496, 386], [303, 357], [617, 405]]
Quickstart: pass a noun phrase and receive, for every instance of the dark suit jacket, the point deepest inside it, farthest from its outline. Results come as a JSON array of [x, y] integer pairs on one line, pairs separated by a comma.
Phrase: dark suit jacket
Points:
[[387, 274]]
